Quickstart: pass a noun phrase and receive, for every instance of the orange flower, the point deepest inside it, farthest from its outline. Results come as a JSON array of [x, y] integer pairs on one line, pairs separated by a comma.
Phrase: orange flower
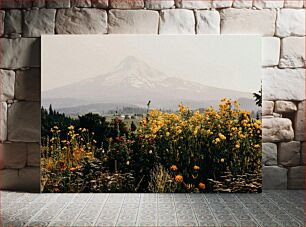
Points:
[[173, 168], [196, 168], [78, 167], [72, 169], [202, 186], [179, 178]]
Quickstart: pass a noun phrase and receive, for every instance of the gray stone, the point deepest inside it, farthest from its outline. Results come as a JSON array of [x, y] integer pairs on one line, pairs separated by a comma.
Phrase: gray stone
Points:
[[80, 3], [283, 84], [38, 22], [290, 22], [191, 4], [289, 153], [293, 4], [133, 21], [299, 122], [270, 51], [15, 4], [56, 4], [267, 107], [126, 4], [221, 3], [262, 4], [7, 81], [242, 4], [13, 155], [274, 177], [293, 52], [178, 21], [81, 21], [207, 22], [33, 156], [2, 15], [13, 21], [3, 121], [285, 107], [24, 122], [159, 4], [39, 3], [296, 176], [27, 85], [269, 154], [26, 179], [277, 129], [248, 21], [99, 3], [303, 157], [20, 53]]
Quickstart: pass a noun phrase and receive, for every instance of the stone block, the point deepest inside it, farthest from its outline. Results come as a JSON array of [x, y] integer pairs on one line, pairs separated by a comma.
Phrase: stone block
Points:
[[56, 4], [25, 180], [299, 122], [135, 21], [240, 4], [126, 4], [283, 84], [207, 22], [38, 22], [296, 176], [80, 3], [221, 3], [24, 122], [178, 21], [27, 85], [285, 106], [33, 157], [289, 153], [274, 177], [267, 107], [293, 52], [191, 4], [39, 3], [290, 22], [13, 155], [159, 4], [7, 85], [293, 4], [99, 3], [263, 4], [248, 21], [20, 53], [13, 21], [269, 154], [277, 130], [15, 4], [303, 153], [3, 121], [270, 51], [2, 15], [81, 21]]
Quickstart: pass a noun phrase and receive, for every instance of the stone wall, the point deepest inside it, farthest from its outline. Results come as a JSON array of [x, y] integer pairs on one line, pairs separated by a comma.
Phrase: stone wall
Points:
[[280, 22]]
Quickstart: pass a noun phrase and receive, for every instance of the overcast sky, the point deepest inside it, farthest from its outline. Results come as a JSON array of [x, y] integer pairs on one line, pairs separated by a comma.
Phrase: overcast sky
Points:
[[227, 61]]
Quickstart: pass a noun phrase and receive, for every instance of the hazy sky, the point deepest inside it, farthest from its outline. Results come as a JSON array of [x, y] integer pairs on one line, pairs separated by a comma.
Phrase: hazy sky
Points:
[[227, 61]]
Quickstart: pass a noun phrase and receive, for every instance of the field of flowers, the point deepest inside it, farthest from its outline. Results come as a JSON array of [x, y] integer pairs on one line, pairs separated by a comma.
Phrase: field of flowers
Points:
[[187, 151]]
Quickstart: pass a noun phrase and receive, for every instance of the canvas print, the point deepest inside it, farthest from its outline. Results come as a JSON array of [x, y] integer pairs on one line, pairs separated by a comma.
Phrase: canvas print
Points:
[[146, 113]]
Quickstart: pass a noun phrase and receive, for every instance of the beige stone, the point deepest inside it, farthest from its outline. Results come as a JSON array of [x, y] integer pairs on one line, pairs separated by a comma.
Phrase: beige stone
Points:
[[267, 107], [242, 4], [7, 81], [100, 3], [277, 129], [221, 3], [293, 4], [3, 121], [269, 154], [299, 122], [289, 153], [208, 22], [290, 22], [293, 52], [159, 4], [13, 155], [262, 4], [285, 106], [80, 3], [192, 4], [27, 86], [126, 4]]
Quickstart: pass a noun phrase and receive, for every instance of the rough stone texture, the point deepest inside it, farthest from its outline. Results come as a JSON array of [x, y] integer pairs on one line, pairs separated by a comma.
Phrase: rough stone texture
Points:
[[33, 155], [285, 107], [221, 3], [7, 80], [277, 129], [56, 4], [80, 3], [178, 21], [274, 177], [248, 21], [39, 3], [261, 4], [99, 3], [27, 85], [38, 22], [126, 4], [269, 154], [267, 107], [81, 21], [15, 4], [24, 122], [159, 4], [293, 52], [283, 84], [2, 15], [13, 155], [296, 177], [133, 21], [293, 4], [26, 179], [3, 121], [270, 51], [191, 4], [20, 53], [208, 22], [242, 4], [299, 122], [290, 22], [13, 21], [303, 160], [289, 153]]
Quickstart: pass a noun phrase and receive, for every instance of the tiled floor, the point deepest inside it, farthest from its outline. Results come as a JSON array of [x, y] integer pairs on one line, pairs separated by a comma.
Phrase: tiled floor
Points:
[[271, 208]]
